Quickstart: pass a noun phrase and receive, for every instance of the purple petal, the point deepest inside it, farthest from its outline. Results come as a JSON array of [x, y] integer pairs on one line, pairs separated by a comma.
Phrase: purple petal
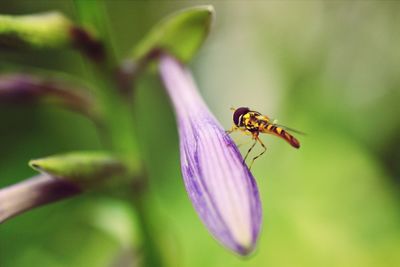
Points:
[[221, 187]]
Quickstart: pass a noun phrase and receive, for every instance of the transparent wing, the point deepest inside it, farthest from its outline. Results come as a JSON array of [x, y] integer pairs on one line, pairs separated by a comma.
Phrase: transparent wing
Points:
[[290, 129]]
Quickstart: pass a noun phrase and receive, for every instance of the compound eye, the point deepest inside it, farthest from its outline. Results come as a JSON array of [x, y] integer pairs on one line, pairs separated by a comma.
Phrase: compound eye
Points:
[[238, 115]]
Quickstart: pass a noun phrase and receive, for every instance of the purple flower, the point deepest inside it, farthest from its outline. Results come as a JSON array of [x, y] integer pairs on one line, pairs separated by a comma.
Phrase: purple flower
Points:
[[221, 187]]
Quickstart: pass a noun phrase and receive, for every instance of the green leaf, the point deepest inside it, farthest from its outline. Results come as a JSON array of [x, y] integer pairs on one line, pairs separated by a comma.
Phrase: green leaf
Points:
[[45, 30], [82, 168], [180, 34]]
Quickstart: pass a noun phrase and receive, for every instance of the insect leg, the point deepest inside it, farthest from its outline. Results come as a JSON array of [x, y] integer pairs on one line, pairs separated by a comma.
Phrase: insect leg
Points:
[[244, 131], [242, 144], [248, 152], [264, 149], [234, 128]]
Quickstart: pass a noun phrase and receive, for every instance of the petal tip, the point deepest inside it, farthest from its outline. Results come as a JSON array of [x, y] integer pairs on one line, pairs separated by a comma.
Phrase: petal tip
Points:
[[245, 251]]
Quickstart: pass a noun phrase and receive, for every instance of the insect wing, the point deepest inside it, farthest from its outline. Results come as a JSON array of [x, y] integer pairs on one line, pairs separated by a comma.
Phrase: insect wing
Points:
[[290, 129]]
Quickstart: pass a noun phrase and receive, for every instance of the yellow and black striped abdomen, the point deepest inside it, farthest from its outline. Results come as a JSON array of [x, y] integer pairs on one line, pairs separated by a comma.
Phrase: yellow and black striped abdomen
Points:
[[278, 131]]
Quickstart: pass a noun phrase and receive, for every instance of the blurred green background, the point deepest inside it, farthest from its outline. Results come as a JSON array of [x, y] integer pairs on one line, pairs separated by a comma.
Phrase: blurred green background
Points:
[[330, 69]]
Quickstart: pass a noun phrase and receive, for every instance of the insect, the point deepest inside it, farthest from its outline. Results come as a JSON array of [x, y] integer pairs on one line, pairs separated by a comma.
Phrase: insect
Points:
[[254, 123]]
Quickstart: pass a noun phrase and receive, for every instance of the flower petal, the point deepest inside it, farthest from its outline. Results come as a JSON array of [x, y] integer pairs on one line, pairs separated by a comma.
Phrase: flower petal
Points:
[[221, 187]]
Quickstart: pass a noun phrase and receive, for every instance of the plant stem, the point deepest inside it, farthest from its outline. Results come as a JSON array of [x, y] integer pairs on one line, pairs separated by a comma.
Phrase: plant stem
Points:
[[119, 125], [152, 255]]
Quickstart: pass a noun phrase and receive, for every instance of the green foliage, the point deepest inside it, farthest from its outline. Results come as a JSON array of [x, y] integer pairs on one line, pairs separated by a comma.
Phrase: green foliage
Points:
[[40, 31], [83, 168], [91, 14], [320, 67], [180, 34]]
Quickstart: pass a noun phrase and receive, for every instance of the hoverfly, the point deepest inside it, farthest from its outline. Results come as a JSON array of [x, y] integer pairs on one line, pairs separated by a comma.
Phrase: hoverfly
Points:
[[254, 123]]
